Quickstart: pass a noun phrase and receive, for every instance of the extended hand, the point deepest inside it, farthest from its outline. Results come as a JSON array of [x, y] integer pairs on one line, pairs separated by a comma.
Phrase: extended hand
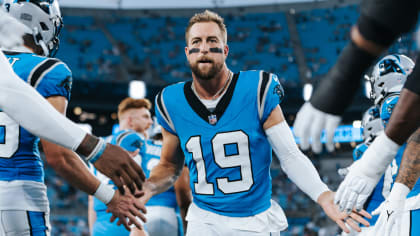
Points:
[[355, 188], [117, 164], [352, 219], [391, 212], [127, 207], [309, 125]]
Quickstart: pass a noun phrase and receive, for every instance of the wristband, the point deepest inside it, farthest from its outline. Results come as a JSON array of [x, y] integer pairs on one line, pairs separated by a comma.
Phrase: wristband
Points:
[[399, 192], [97, 151], [104, 193]]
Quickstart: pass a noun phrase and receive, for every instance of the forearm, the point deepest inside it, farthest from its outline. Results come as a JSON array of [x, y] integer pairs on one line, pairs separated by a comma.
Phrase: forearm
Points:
[[294, 163], [410, 165], [405, 118], [162, 177], [70, 167]]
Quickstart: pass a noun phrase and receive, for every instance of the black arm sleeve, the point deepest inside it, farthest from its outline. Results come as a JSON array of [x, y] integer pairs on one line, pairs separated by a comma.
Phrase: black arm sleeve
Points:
[[337, 89]]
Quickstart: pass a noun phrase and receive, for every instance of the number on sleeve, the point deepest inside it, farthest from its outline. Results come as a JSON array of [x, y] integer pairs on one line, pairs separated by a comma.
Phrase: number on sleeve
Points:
[[9, 136]]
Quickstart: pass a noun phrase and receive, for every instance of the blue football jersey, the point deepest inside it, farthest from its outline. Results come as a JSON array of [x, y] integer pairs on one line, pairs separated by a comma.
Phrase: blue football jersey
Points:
[[148, 162], [359, 150], [226, 150], [19, 152]]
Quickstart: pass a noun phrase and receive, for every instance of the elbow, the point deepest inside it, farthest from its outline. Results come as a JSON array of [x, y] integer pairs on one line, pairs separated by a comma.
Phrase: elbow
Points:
[[55, 159]]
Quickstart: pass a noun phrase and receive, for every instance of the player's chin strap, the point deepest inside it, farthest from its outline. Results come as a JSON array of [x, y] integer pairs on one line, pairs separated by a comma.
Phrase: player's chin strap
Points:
[[294, 162], [40, 42]]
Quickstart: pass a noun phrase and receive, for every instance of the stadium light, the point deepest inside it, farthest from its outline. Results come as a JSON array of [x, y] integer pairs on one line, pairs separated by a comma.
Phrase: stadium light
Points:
[[307, 91], [77, 111], [137, 89], [357, 124], [368, 88]]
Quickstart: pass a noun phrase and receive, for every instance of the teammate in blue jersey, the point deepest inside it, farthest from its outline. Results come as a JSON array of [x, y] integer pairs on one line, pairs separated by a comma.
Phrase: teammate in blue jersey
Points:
[[134, 120], [223, 126], [372, 127], [407, 213], [166, 211], [24, 207]]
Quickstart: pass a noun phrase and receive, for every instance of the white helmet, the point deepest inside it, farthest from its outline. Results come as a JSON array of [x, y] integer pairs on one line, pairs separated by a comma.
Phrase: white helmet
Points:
[[372, 124], [42, 17], [389, 76]]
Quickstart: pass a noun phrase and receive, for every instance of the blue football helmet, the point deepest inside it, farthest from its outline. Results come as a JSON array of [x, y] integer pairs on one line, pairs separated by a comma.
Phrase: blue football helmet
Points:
[[371, 124], [389, 75], [387, 107], [42, 17]]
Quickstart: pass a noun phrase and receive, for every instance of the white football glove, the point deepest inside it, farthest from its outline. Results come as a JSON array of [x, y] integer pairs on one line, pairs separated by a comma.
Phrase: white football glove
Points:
[[309, 125], [11, 31], [365, 173], [355, 189], [391, 212]]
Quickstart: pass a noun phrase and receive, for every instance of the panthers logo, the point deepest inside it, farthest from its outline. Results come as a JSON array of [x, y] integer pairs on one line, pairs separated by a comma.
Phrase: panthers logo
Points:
[[389, 66], [279, 91]]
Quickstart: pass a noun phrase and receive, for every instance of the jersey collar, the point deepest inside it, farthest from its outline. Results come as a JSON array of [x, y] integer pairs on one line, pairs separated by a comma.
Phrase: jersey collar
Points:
[[201, 109]]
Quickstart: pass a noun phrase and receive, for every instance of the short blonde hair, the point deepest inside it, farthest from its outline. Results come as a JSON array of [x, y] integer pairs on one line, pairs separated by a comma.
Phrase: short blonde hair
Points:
[[207, 16], [131, 103]]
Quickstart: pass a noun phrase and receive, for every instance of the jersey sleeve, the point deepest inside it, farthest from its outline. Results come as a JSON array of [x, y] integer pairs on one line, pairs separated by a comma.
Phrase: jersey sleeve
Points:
[[162, 114], [132, 141], [358, 151], [56, 80], [270, 94]]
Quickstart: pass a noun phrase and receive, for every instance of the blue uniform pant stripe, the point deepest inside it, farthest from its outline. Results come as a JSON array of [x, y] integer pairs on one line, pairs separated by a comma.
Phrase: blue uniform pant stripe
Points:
[[37, 224]]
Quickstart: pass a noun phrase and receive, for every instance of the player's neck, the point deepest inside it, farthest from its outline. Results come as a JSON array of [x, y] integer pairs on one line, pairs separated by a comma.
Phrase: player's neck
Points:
[[213, 88]]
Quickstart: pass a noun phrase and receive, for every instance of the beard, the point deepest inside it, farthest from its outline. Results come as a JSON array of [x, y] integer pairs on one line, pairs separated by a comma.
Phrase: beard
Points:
[[208, 73]]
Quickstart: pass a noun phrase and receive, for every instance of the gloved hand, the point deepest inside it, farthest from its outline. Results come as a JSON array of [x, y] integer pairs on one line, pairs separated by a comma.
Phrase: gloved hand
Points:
[[355, 188], [391, 212], [309, 124], [365, 173]]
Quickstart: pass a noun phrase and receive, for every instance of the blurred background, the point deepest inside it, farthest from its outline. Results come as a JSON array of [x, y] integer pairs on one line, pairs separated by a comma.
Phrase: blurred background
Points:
[[118, 48]]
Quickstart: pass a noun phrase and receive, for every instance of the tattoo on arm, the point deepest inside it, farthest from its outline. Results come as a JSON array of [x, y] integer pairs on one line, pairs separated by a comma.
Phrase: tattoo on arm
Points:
[[410, 165]]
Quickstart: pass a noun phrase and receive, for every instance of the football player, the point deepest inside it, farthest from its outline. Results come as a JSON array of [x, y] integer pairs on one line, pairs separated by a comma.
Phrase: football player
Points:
[[134, 120], [388, 77], [42, 120], [23, 203], [379, 25], [224, 125], [166, 211]]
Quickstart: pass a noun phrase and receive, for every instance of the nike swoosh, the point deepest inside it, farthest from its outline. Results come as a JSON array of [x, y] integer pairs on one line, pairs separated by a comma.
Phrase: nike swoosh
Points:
[[389, 213]]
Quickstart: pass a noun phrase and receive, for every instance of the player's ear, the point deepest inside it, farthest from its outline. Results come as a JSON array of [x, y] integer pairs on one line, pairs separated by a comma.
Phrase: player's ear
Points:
[[226, 50], [186, 51]]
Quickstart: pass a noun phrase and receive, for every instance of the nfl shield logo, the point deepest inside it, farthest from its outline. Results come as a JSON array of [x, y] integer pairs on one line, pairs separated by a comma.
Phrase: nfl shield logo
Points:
[[212, 119]]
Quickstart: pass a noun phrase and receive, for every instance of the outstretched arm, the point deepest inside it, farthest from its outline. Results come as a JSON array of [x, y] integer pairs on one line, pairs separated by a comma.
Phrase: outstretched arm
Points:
[[409, 171], [69, 166], [164, 175], [301, 171]]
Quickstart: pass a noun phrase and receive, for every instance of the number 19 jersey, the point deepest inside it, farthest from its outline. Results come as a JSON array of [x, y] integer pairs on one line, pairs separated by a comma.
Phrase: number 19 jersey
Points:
[[226, 149]]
